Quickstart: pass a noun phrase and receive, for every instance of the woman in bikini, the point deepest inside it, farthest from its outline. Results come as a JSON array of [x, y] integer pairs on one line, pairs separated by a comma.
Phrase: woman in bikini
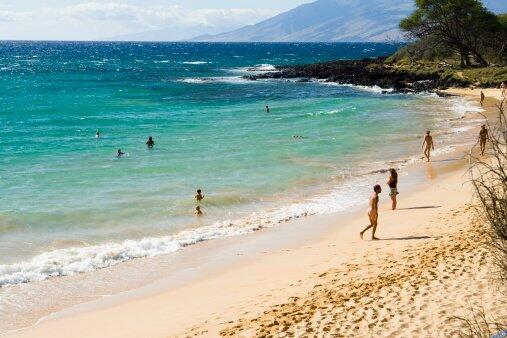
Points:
[[392, 182]]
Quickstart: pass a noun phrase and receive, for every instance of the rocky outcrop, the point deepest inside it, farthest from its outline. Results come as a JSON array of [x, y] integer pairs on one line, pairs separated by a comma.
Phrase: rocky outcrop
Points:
[[366, 72]]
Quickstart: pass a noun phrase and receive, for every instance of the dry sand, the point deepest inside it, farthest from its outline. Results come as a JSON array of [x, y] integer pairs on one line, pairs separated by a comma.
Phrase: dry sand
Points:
[[475, 93], [430, 266]]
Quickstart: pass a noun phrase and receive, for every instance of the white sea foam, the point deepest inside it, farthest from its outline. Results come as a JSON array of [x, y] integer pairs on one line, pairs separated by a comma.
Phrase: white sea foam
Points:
[[217, 79], [195, 62], [65, 262], [331, 112], [262, 68], [372, 89], [462, 106], [195, 80]]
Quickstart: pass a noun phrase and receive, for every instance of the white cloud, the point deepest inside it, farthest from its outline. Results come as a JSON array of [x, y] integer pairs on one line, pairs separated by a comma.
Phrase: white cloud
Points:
[[101, 20]]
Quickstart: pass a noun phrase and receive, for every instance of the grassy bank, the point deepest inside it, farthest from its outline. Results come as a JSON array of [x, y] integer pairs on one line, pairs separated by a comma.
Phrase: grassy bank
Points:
[[484, 77]]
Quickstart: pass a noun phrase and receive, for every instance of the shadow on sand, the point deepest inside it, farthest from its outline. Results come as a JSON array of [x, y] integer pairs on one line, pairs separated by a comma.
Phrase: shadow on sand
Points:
[[424, 207], [409, 238], [449, 159]]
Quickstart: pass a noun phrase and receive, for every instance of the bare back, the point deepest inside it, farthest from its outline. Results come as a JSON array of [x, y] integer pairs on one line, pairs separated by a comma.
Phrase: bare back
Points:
[[483, 135], [428, 141]]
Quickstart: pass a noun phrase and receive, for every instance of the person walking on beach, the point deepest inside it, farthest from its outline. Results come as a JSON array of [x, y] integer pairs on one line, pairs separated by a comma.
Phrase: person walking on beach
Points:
[[482, 97], [392, 182], [428, 145], [199, 196], [150, 143], [373, 213], [504, 88], [483, 138]]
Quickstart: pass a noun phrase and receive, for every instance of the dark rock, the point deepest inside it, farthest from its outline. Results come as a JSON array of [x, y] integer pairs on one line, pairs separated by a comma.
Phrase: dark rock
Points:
[[366, 72]]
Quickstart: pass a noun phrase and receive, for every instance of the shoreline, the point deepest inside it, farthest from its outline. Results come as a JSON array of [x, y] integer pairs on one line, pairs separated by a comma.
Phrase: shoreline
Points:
[[315, 196], [197, 285]]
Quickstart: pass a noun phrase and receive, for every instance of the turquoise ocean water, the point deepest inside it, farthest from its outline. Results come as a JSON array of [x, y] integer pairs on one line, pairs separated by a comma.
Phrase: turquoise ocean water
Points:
[[68, 205]]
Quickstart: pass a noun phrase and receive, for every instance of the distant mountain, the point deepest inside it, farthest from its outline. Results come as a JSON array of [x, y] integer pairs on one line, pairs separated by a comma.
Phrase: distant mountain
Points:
[[327, 20], [168, 34], [330, 21]]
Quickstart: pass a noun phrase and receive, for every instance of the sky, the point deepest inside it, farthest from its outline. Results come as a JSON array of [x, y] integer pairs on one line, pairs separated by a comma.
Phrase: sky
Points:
[[99, 20], [120, 20]]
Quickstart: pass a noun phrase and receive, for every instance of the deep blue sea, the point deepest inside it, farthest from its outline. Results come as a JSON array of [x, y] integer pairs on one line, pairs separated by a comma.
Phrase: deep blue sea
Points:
[[69, 205]]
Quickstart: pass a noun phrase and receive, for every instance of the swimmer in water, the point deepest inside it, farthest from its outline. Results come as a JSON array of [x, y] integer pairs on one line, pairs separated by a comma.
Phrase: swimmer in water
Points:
[[267, 109], [119, 153], [198, 211], [150, 143], [97, 134], [199, 196]]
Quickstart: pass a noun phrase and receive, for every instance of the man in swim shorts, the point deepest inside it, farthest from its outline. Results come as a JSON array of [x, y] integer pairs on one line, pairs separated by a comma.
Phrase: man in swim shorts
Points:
[[483, 138], [428, 145], [373, 213]]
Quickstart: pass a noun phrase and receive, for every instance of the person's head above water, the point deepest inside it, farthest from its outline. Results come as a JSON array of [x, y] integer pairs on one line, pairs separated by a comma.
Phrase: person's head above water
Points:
[[427, 132], [150, 138], [198, 191], [377, 188]]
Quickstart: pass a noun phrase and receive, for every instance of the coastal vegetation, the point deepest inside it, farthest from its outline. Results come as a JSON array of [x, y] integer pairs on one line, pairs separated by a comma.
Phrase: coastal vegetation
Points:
[[489, 178], [465, 29]]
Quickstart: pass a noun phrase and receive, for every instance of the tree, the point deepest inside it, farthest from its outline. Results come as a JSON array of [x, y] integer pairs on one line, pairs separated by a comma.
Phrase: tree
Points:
[[464, 26]]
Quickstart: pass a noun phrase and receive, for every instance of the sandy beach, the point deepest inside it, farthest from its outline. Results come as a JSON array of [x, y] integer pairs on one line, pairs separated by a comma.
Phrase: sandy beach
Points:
[[429, 267]]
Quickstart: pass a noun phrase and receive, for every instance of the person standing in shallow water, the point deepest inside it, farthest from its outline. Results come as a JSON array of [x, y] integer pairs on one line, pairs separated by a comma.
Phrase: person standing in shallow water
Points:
[[428, 145], [199, 196], [150, 143], [482, 97], [267, 109], [483, 138], [373, 213], [392, 182]]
